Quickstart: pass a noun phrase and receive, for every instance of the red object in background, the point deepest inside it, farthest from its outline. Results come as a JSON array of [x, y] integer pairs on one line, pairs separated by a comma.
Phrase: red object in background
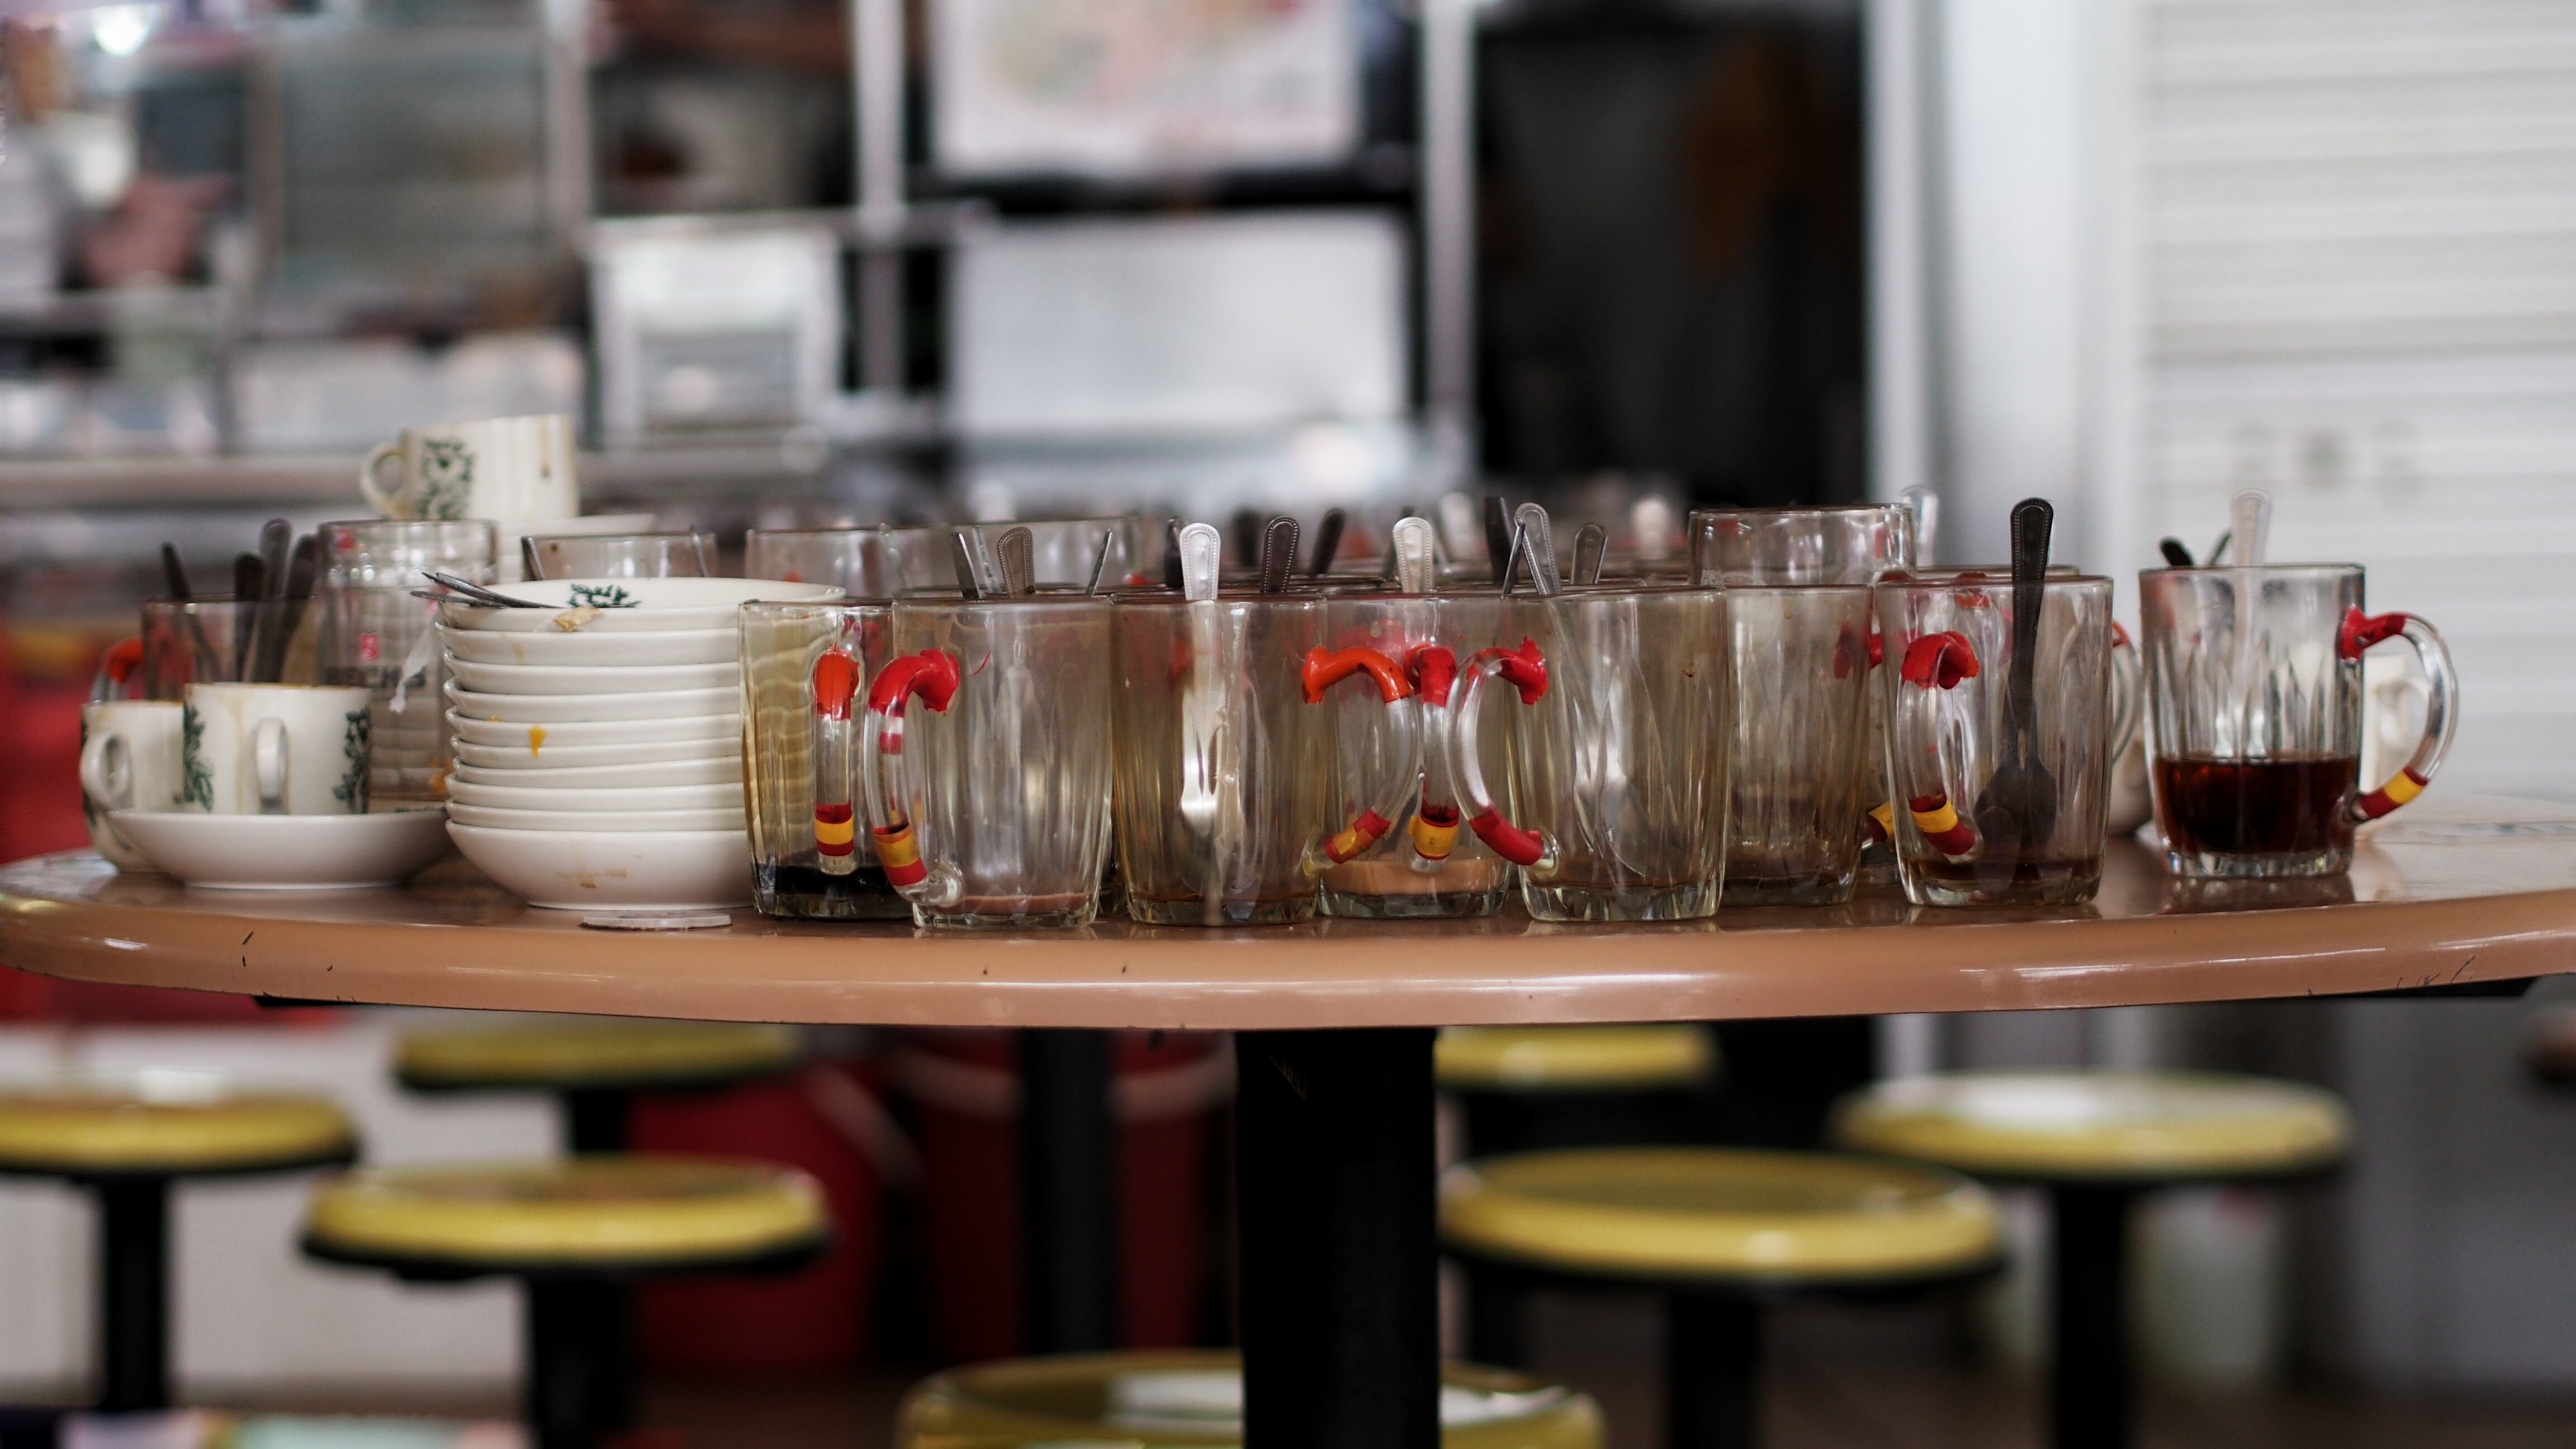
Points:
[[817, 1317], [965, 1093], [40, 811]]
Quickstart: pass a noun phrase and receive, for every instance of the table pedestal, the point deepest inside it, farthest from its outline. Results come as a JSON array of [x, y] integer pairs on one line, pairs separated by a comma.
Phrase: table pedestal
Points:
[[1335, 1180], [1069, 1193]]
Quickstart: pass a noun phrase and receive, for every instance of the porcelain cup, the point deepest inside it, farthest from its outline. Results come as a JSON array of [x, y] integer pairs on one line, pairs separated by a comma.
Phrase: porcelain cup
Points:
[[274, 749], [129, 760]]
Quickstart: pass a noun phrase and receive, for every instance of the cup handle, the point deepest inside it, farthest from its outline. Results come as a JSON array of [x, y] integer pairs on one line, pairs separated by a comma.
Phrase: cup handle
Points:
[[933, 675], [388, 504], [1526, 672], [2125, 691], [1382, 800], [107, 771], [833, 688], [268, 764], [2441, 703]]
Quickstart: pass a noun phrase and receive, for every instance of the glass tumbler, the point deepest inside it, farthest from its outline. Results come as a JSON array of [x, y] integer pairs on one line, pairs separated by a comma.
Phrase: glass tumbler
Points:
[[803, 666], [985, 763], [2254, 690], [2000, 746], [1840, 544], [1062, 549], [374, 633], [208, 639], [1800, 764], [855, 559], [1619, 756], [1426, 865], [1226, 795], [619, 555]]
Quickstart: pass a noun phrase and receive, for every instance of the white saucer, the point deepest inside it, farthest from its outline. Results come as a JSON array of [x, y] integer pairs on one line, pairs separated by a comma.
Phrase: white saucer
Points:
[[288, 852], [577, 870]]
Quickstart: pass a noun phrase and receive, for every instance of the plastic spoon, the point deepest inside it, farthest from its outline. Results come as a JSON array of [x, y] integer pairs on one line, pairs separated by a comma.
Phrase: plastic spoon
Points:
[[1200, 551], [1591, 551]]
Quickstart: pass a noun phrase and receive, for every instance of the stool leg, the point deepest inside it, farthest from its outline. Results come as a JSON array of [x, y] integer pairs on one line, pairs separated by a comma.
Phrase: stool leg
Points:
[[595, 1121], [134, 1293], [1712, 1372], [1497, 1317], [581, 1362], [2088, 1396], [1069, 1191]]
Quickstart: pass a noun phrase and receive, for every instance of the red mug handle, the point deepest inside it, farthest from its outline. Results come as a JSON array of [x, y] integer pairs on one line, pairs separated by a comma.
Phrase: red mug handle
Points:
[[2441, 702]]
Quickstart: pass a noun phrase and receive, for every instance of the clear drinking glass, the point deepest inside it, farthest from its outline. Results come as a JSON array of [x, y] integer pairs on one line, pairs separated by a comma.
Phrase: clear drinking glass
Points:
[[2033, 837], [207, 639], [1619, 756], [1426, 865], [803, 667], [856, 559], [1800, 764], [619, 555], [1063, 550], [2254, 691], [1841, 544], [988, 795], [1225, 790], [374, 633]]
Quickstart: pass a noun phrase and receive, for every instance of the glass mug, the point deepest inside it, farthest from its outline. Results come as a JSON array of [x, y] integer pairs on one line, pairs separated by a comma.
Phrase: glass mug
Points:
[[1226, 800], [1837, 544], [988, 805], [1991, 809], [619, 555], [1619, 754], [854, 559], [209, 640], [2254, 688], [1426, 865], [374, 633], [802, 665], [1800, 661]]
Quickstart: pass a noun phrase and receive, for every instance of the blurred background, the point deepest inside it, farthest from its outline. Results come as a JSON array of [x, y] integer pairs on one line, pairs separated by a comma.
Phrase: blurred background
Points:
[[818, 261]]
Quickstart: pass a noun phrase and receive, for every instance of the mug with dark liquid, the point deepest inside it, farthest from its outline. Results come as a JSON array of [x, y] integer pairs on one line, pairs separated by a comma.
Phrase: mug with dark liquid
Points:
[[2255, 700]]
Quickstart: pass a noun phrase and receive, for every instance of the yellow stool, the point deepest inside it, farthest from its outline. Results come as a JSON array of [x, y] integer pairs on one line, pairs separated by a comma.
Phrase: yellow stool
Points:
[[593, 1065], [578, 1232], [125, 1141], [1721, 1231], [2096, 1140], [1196, 1400], [1527, 1088]]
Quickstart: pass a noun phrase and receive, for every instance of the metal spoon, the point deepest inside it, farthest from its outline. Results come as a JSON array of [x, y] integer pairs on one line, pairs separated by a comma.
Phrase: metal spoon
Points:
[[1499, 541], [2017, 810], [474, 593], [1531, 519], [250, 585], [2175, 553], [1278, 553], [1100, 562], [1328, 541], [1017, 550], [1591, 551]]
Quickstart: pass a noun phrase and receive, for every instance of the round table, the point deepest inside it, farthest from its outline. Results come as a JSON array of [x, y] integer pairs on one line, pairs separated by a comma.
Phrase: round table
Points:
[[1334, 1109]]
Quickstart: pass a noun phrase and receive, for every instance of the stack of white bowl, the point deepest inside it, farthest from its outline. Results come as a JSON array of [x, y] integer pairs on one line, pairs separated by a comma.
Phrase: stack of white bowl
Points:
[[599, 740]]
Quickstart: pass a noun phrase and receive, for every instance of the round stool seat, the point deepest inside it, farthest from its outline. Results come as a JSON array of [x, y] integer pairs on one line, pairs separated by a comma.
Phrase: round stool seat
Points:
[[597, 1056], [1704, 1213], [1197, 1399], [2101, 1126], [166, 1124], [1573, 1058], [638, 1212]]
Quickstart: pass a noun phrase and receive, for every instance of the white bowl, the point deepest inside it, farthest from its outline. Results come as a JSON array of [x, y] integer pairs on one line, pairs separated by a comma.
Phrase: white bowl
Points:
[[580, 799], [558, 679], [287, 852], [592, 649], [592, 708], [616, 779], [626, 870], [537, 739], [500, 817], [629, 606], [518, 759]]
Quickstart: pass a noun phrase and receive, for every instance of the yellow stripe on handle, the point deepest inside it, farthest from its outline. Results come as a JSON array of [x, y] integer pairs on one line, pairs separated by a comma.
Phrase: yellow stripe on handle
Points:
[[1937, 822]]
